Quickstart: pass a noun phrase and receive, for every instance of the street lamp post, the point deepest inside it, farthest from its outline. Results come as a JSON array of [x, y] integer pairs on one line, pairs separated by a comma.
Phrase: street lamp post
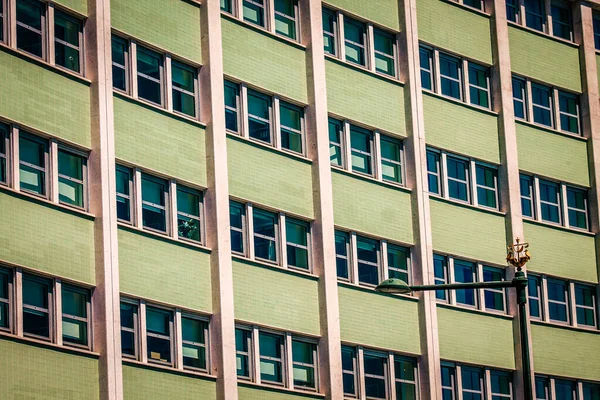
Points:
[[518, 255]]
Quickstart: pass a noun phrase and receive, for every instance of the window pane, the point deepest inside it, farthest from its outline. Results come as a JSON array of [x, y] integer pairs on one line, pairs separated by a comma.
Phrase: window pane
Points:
[[464, 272], [35, 294], [118, 57], [304, 375], [231, 106], [367, 261], [264, 235], [478, 82], [557, 304], [375, 382], [236, 218], [226, 5], [335, 143], [188, 203], [193, 331], [534, 14], [526, 186], [585, 300], [542, 388], [149, 66], [486, 186], [561, 21], [270, 357], [123, 182], [297, 233], [329, 33], [158, 322], [184, 99], [439, 267], [397, 262], [242, 338], [426, 61], [348, 366], [128, 318], [291, 127], [390, 160], [29, 37], [433, 162], [471, 384], [285, 18], [66, 30], [450, 73], [565, 390], [533, 291], [259, 120], [541, 99], [549, 197], [153, 215], [494, 298], [384, 53], [457, 179], [4, 314], [254, 12], [355, 41], [71, 166], [577, 205], [341, 252], [361, 142]]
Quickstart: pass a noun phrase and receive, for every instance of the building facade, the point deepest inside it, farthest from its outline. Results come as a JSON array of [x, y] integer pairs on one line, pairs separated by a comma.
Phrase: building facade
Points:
[[215, 189]]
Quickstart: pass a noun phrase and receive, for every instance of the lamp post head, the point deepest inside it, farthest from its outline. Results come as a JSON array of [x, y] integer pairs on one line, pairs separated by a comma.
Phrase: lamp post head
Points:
[[518, 255], [393, 285]]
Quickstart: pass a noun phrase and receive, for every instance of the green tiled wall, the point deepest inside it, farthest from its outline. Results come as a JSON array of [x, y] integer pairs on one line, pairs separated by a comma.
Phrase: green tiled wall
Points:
[[265, 393], [159, 142], [147, 384], [386, 13], [377, 320], [269, 177], [468, 232], [535, 56], [552, 155], [43, 99], [558, 252], [461, 129], [263, 60], [77, 5], [43, 237], [566, 352], [160, 270], [372, 208], [172, 25], [475, 338], [31, 372], [454, 28], [366, 98], [275, 298]]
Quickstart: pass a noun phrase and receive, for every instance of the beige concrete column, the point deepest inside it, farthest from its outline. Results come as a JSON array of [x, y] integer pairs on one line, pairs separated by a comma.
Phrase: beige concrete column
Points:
[[510, 201], [330, 353], [106, 323], [416, 160], [222, 327]]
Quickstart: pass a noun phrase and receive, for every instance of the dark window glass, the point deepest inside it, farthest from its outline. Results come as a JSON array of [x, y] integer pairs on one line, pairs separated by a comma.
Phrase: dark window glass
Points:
[[478, 4], [329, 31], [501, 386], [486, 186], [254, 12], [159, 331], [433, 172], [226, 6], [450, 76], [36, 306], [384, 53], [124, 183], [535, 14], [149, 75], [577, 208], [585, 305], [512, 10], [391, 164], [458, 178], [368, 262], [242, 352], [596, 33], [405, 378], [70, 178], [4, 299], [297, 243], [479, 90], [128, 329], [265, 242], [184, 89], [426, 62], [440, 273], [3, 152], [236, 220], [291, 127], [568, 109], [32, 165], [349, 370], [375, 376], [336, 155], [494, 298], [361, 143], [526, 185], [74, 315], [67, 32], [448, 389], [550, 201], [30, 27], [188, 214], [354, 37], [557, 301], [303, 360], [591, 392], [232, 94], [534, 291], [342, 245], [271, 349], [519, 95], [464, 272], [541, 97], [119, 63], [259, 117], [154, 198], [193, 335], [472, 385], [565, 390], [285, 18], [561, 21], [397, 258], [542, 389]]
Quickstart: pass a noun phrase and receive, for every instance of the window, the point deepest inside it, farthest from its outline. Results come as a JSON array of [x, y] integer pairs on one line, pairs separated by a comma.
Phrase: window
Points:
[[349, 370], [557, 301], [535, 17], [67, 41], [75, 315], [375, 367], [37, 303], [585, 305], [541, 97], [596, 21], [450, 76], [534, 294], [33, 154], [464, 272], [232, 101], [501, 385], [297, 243], [568, 112], [184, 89], [550, 201], [2, 24], [120, 59], [335, 142], [368, 260], [31, 27], [354, 39], [577, 208], [542, 388], [242, 352], [259, 117], [304, 359], [561, 20], [5, 300], [129, 329], [189, 224], [512, 10], [71, 178], [487, 186], [149, 75], [254, 12], [193, 336], [398, 259], [479, 83], [526, 185], [342, 255], [385, 50], [4, 146], [472, 384], [159, 335], [265, 239], [329, 32], [519, 88], [433, 172], [291, 127], [236, 220], [226, 6], [440, 268], [154, 200], [448, 383], [286, 14], [458, 179], [426, 65], [565, 390], [361, 144], [406, 378], [391, 157], [591, 392], [271, 357], [124, 189], [493, 297]]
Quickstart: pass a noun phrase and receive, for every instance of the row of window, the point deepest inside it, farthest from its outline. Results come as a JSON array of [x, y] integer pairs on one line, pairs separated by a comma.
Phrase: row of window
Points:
[[556, 300], [275, 358], [546, 106], [454, 77], [147, 75], [462, 179], [360, 43], [278, 16], [264, 118], [534, 14], [475, 383], [47, 309], [550, 388], [553, 202], [365, 152], [45, 31], [45, 168], [159, 205]]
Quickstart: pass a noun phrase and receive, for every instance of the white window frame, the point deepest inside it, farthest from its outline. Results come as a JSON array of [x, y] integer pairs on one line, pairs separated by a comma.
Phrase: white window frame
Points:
[[576, 306]]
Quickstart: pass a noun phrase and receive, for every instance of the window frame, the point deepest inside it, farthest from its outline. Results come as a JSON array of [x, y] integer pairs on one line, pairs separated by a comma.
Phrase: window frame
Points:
[[386, 371], [363, 154], [460, 80], [494, 170], [171, 338], [486, 89], [295, 19], [236, 109], [88, 319], [161, 71], [243, 229], [200, 218], [45, 170], [566, 303], [307, 248], [205, 345], [561, 113], [393, 57], [301, 132], [130, 198], [136, 330], [48, 311], [80, 49], [593, 307], [275, 239], [8, 300], [194, 71], [165, 208], [348, 20], [333, 35], [314, 365], [5, 138], [84, 174], [126, 67], [42, 32]]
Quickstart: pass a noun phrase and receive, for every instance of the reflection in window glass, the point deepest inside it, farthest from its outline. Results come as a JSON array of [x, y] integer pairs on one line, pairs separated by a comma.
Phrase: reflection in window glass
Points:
[[149, 75]]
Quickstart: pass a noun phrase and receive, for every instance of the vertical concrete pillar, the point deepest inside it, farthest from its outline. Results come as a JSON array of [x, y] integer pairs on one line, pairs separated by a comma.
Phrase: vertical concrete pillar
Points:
[[222, 327], [107, 338], [323, 226]]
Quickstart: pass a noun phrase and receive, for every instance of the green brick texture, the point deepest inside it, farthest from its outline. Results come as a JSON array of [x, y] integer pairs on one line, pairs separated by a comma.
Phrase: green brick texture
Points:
[[269, 177], [144, 383], [159, 142], [562, 253], [461, 129], [78, 5], [385, 14], [377, 320], [30, 372], [43, 99], [534, 55], [172, 25], [363, 97], [451, 27], [475, 338], [161, 270], [266, 393], [46, 238], [565, 352], [552, 155], [275, 298], [468, 232], [263, 60]]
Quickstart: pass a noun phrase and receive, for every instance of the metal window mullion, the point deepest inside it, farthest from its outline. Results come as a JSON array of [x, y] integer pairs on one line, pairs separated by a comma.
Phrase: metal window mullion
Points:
[[384, 273], [287, 364], [571, 303], [544, 300], [134, 72], [255, 354], [536, 195], [391, 378], [370, 47], [480, 293], [18, 314], [354, 258], [282, 240], [472, 171], [243, 105], [437, 75], [50, 55], [275, 128], [52, 175], [458, 379], [57, 321], [376, 150], [563, 206], [168, 65], [341, 42], [451, 293], [143, 340], [347, 161], [529, 98], [250, 222], [137, 191], [552, 388], [269, 9], [554, 109], [547, 16], [465, 85], [171, 208], [178, 340], [444, 173], [67, 44]]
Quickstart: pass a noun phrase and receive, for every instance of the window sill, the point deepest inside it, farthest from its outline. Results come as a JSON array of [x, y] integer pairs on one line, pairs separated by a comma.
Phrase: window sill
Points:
[[437, 197], [459, 102], [262, 30], [542, 34], [184, 372], [280, 389], [274, 267], [48, 345], [474, 310], [359, 68], [468, 8], [591, 330], [45, 64], [371, 289], [550, 130], [181, 242], [264, 145], [371, 179], [560, 227]]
